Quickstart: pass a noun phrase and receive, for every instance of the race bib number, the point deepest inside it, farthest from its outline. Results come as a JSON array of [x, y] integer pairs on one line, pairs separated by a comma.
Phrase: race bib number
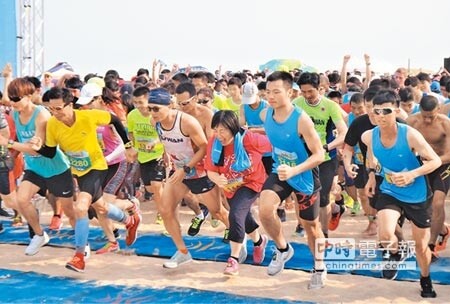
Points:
[[79, 160], [234, 184], [286, 158]]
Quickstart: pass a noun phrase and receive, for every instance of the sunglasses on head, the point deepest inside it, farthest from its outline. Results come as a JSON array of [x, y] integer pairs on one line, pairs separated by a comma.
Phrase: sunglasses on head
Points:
[[203, 101], [383, 111], [15, 99], [154, 109]]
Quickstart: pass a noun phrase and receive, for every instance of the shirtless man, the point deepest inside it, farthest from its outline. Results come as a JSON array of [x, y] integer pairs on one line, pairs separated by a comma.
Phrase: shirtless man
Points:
[[435, 128]]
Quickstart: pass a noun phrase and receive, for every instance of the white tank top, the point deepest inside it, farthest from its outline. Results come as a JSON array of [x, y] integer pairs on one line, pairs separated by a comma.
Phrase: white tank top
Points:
[[180, 148]]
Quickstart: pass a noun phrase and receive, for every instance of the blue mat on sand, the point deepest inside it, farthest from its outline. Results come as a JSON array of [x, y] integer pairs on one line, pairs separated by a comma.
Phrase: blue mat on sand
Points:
[[211, 249], [67, 290]]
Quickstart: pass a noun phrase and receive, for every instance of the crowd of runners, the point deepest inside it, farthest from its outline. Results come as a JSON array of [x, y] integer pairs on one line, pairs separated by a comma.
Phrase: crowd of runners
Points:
[[223, 143]]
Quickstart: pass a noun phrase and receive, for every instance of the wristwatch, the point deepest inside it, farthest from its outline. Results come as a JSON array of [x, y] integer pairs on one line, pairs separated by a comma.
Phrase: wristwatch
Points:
[[369, 170], [325, 146], [187, 169], [10, 143]]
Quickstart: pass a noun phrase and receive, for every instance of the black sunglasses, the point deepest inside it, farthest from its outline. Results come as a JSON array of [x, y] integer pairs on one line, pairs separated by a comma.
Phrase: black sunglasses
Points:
[[154, 109], [15, 99], [384, 111], [203, 101]]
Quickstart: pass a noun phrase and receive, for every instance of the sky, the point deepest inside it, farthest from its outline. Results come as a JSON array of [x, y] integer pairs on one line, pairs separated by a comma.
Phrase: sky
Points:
[[97, 35]]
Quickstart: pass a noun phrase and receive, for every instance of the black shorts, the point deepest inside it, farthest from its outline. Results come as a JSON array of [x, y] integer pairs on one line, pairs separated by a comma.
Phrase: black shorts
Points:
[[92, 183], [267, 163], [60, 185], [439, 179], [419, 213], [308, 207], [7, 182], [199, 185], [360, 180], [374, 198], [327, 172], [153, 170]]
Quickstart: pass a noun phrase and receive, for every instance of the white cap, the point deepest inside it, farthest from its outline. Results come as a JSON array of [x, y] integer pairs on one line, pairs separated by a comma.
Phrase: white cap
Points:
[[249, 93], [88, 92]]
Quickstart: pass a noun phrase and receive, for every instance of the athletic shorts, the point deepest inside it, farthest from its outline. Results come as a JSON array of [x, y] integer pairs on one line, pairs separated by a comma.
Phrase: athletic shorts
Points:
[[309, 206], [199, 185], [7, 182], [418, 213], [439, 179], [60, 185], [92, 183], [153, 170]]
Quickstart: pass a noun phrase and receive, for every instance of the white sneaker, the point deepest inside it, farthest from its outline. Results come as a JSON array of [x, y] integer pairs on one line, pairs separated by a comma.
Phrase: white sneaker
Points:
[[317, 279], [87, 251], [278, 260], [243, 253], [37, 242], [178, 259]]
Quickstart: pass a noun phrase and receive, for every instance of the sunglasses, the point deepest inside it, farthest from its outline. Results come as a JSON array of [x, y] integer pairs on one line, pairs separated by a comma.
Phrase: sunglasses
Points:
[[58, 108], [154, 109], [203, 101], [15, 99], [185, 103], [384, 111]]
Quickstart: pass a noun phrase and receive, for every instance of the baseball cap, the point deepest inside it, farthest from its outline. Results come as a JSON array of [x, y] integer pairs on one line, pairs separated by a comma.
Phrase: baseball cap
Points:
[[249, 93], [295, 86], [98, 81], [435, 87], [159, 96], [88, 92]]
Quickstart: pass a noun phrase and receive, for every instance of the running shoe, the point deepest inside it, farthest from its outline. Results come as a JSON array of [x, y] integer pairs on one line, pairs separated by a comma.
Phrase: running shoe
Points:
[[278, 260], [109, 247], [335, 218], [232, 267], [317, 279], [159, 219], [36, 243], [132, 228], [427, 290], [243, 253], [441, 242], [391, 260], [194, 229], [56, 223], [77, 263], [4, 213], [299, 231], [259, 252], [178, 259], [226, 235], [17, 221], [355, 208]]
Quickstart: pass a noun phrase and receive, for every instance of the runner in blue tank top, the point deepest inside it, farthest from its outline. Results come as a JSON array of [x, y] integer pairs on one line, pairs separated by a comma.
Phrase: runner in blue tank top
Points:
[[404, 189], [297, 151]]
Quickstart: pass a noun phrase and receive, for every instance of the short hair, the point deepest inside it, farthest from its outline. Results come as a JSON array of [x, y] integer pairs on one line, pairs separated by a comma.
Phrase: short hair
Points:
[[412, 81], [429, 103], [444, 80], [34, 80], [424, 77], [113, 74], [89, 76], [357, 98], [140, 80], [386, 96], [309, 78], [141, 91], [241, 76], [228, 119], [406, 94], [235, 81], [61, 93], [370, 93], [169, 86], [180, 77], [207, 91], [334, 78], [186, 87], [199, 75], [283, 76], [74, 83], [45, 96], [210, 78], [334, 94], [142, 71], [262, 85], [20, 87]]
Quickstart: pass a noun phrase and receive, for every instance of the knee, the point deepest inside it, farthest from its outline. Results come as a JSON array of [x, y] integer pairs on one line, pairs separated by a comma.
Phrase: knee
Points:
[[385, 235]]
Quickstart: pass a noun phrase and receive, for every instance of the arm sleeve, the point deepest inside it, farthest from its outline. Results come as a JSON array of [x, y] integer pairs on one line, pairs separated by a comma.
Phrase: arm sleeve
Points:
[[48, 152], [115, 121]]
